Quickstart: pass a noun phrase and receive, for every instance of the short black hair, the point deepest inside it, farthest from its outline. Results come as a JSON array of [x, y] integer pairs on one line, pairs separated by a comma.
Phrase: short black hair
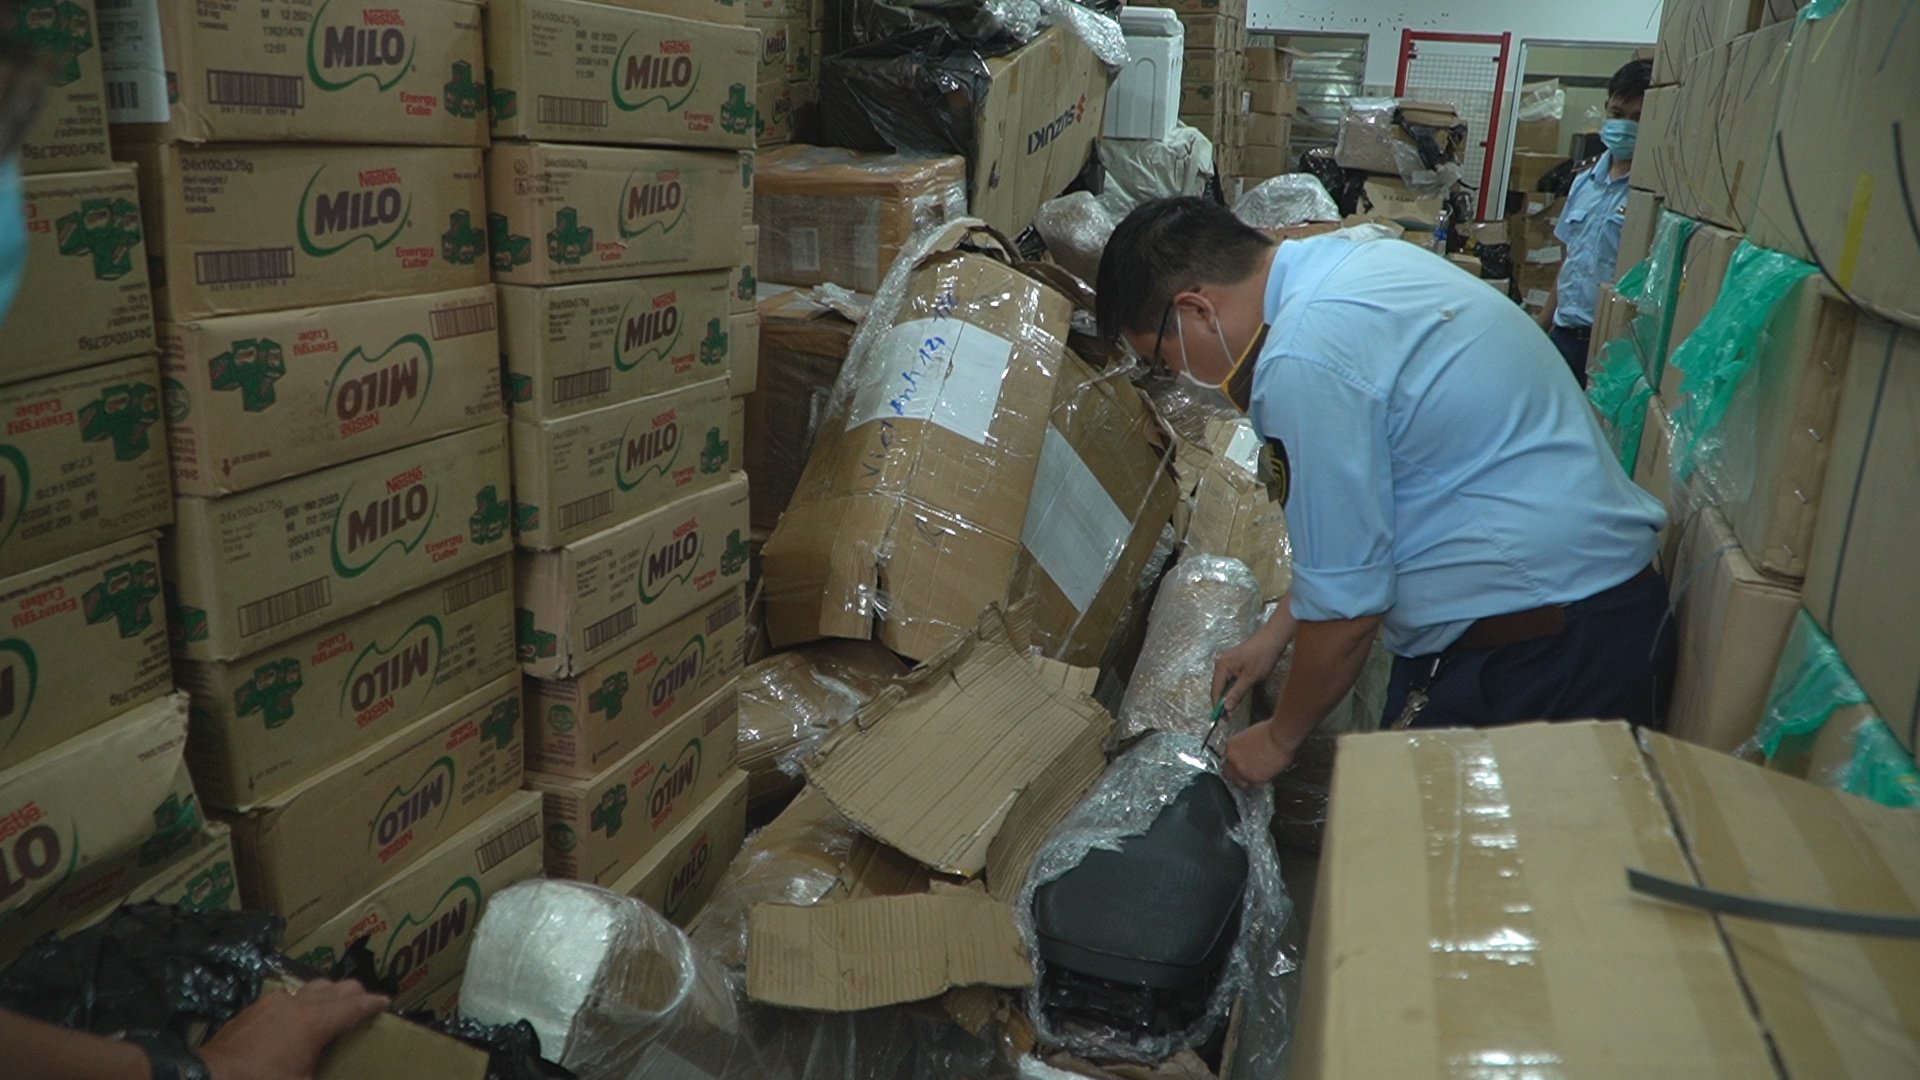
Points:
[[1166, 247], [1631, 81]]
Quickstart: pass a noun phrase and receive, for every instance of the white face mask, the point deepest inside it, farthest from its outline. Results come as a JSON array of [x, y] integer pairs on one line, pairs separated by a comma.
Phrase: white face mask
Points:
[[1219, 336]]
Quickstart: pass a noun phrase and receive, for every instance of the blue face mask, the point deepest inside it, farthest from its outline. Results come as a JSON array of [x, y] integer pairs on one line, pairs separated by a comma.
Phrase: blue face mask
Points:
[[13, 234], [1619, 137]]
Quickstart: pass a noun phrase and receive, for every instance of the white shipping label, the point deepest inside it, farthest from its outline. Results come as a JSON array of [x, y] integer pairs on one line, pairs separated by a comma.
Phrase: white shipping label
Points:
[[945, 371], [135, 67], [805, 246], [1074, 529]]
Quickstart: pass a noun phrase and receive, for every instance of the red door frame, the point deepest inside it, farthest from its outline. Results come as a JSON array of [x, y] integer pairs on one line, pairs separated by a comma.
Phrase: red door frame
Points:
[[1408, 39]]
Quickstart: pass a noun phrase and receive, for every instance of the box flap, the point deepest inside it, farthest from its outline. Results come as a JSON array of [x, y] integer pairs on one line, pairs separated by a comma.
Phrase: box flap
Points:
[[394, 1049], [1836, 1005], [886, 950], [1003, 727]]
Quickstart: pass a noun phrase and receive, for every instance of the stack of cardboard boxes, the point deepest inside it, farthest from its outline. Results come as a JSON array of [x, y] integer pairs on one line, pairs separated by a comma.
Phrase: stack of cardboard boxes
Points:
[[618, 208], [1213, 76], [792, 38], [1271, 98], [86, 701], [339, 569], [1771, 321]]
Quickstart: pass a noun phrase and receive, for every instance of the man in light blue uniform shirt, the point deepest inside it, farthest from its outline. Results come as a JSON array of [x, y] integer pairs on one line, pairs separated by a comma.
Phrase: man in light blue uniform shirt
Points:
[[1591, 220], [1446, 485]]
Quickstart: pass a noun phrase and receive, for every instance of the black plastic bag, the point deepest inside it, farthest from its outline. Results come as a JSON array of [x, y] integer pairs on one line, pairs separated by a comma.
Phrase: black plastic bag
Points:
[[916, 93], [513, 1050], [982, 26], [1345, 185]]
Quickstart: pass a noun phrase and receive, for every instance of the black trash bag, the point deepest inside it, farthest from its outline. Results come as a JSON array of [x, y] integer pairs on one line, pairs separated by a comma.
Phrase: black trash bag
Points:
[[1496, 261], [916, 93], [1345, 185], [982, 26], [513, 1050], [150, 969]]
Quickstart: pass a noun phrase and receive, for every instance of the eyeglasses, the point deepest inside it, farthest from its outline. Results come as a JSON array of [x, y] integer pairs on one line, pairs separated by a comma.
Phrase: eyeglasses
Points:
[[1159, 339]]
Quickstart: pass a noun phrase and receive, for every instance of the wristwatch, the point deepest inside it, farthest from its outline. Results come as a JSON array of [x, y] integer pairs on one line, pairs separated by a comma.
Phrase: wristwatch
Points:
[[168, 1062]]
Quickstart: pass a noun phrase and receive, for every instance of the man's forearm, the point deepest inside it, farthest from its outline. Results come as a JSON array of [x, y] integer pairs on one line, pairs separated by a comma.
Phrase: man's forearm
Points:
[[1281, 628], [1327, 660], [47, 1052]]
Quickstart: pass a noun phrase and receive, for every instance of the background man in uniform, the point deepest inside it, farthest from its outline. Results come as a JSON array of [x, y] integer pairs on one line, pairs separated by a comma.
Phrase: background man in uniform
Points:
[[1447, 484]]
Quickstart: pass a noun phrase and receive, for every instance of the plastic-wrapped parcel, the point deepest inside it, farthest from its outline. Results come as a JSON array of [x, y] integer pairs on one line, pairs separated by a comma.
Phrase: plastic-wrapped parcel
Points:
[[1136, 789], [1076, 227], [1206, 606], [1285, 201]]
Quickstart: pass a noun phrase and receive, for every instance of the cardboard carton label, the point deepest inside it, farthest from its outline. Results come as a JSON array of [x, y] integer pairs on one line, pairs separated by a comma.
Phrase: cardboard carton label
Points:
[[81, 641], [576, 726], [308, 853], [686, 867], [256, 398], [591, 73], [70, 133], [249, 571], [419, 925], [746, 282], [64, 849], [86, 279], [82, 462], [241, 228], [203, 879], [581, 347], [576, 476], [358, 71], [264, 723], [583, 603], [598, 829], [563, 214]]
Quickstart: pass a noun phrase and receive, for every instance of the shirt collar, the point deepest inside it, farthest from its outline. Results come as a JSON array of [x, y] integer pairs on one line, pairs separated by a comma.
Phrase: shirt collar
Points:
[[1603, 168]]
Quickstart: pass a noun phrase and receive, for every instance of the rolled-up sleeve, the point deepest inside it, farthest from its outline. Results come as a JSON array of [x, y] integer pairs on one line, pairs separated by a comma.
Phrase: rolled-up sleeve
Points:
[[1340, 510]]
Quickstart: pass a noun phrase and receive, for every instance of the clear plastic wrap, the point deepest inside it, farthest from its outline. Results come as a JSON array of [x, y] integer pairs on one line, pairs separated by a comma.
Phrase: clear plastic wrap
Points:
[[1100, 31], [1136, 788], [1141, 170], [1293, 199], [1656, 291], [1206, 606], [1820, 725], [1544, 100], [1716, 438], [831, 215], [1076, 227], [800, 858], [789, 701], [1377, 134]]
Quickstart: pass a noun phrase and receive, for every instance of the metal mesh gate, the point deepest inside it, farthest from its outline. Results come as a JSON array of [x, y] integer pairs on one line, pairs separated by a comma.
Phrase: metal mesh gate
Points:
[[1469, 72]]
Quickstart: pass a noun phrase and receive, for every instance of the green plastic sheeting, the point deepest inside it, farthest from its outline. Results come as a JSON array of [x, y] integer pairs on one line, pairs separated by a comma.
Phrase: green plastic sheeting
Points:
[[1813, 683], [1715, 362], [1654, 288], [1620, 393]]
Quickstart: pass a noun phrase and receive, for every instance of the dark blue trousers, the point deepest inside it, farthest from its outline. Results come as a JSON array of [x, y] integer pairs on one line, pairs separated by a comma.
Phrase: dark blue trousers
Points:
[[1572, 343], [1614, 661]]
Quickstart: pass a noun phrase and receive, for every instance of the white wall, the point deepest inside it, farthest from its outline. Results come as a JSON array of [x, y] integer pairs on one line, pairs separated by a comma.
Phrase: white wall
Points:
[[1616, 21]]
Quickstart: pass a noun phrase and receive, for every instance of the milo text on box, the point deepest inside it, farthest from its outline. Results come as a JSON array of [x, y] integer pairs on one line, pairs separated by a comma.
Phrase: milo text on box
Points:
[[258, 398], [268, 721], [579, 347], [82, 462], [249, 571]]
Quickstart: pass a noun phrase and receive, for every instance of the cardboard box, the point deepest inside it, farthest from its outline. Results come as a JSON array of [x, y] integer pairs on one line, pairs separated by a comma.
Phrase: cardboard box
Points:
[[1373, 139], [826, 214], [733, 12], [402, 71], [1218, 33], [685, 868], [84, 641], [1821, 726], [1233, 512], [1542, 817], [307, 853], [1270, 63], [253, 570], [1732, 619], [1529, 167], [1658, 144], [70, 132], [1861, 580], [577, 726], [1710, 252], [783, 43], [565, 214], [1715, 146], [773, 108], [257, 398], [585, 602], [743, 358], [237, 228], [579, 347], [92, 817], [586, 473], [1538, 137], [277, 717], [82, 462], [1653, 471], [918, 484], [801, 352], [1273, 98], [1391, 198], [419, 924], [572, 72], [1267, 130], [1831, 196], [1267, 162], [1102, 493], [84, 297], [1691, 27], [390, 1046], [200, 879], [1636, 235], [598, 829], [746, 283]]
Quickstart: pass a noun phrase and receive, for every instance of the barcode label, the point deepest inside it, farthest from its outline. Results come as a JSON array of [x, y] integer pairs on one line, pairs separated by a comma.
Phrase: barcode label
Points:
[[264, 615], [254, 88], [461, 321], [805, 248], [123, 94], [723, 614], [573, 112], [228, 267], [464, 594], [578, 513], [132, 60], [611, 627], [585, 384], [517, 837]]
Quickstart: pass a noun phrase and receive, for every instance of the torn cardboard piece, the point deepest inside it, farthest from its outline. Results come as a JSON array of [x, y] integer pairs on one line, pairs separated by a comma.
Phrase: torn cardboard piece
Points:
[[863, 954]]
